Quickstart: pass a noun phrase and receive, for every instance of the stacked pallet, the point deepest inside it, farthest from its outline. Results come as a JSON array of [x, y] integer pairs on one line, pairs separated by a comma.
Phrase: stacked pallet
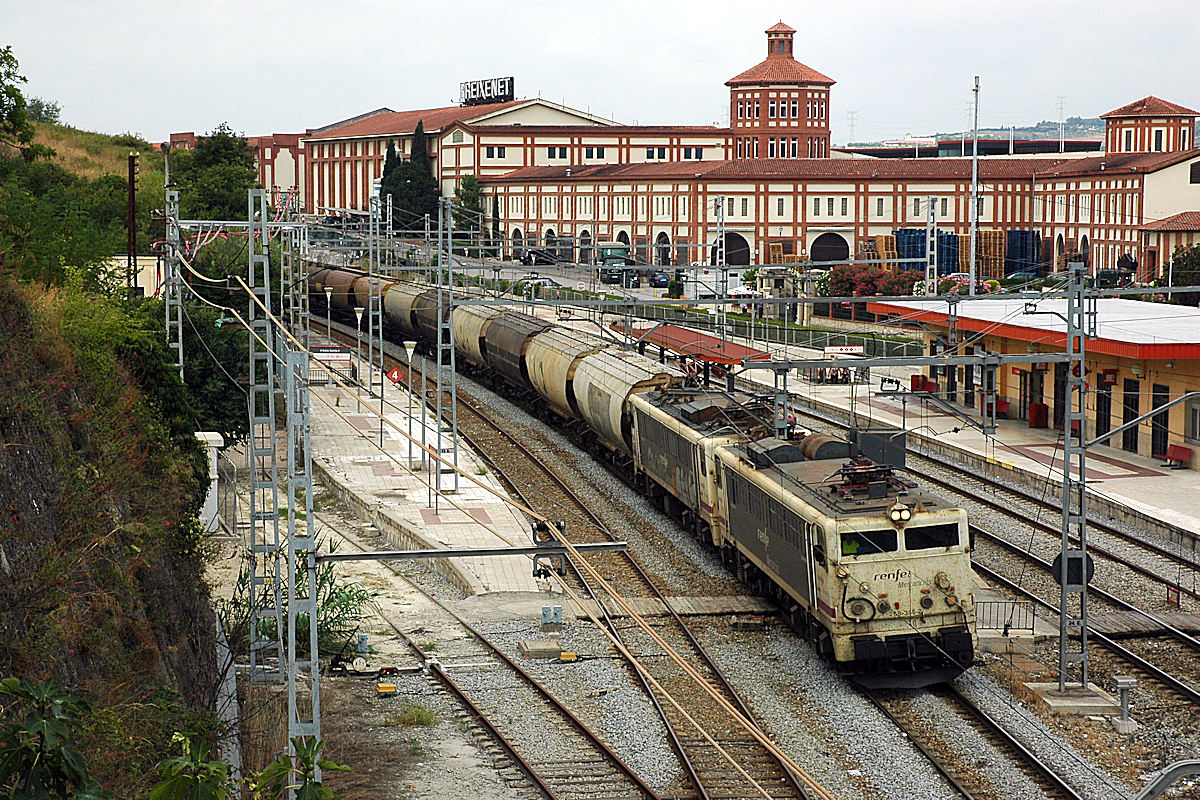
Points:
[[947, 252], [910, 245], [775, 252], [866, 250], [989, 255], [1023, 252], [885, 247]]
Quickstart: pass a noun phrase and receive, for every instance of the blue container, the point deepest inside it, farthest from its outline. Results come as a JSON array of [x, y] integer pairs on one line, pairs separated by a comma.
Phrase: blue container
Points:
[[947, 253], [910, 244], [1023, 250]]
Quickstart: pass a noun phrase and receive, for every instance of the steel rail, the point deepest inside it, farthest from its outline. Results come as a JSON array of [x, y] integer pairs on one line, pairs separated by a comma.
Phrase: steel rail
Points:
[[793, 781], [504, 658], [1155, 672]]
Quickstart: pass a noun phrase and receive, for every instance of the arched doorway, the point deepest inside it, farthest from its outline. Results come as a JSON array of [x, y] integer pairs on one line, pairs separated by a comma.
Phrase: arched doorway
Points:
[[623, 238], [585, 247], [662, 250], [518, 242], [1060, 250], [1085, 251], [548, 239], [737, 250], [829, 247]]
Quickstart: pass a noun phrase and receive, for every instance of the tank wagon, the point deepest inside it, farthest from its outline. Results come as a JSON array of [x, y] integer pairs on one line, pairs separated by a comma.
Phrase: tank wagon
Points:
[[875, 570]]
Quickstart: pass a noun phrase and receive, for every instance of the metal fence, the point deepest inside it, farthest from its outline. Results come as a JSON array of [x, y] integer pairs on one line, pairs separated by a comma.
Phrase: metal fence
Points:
[[1016, 615], [229, 511], [764, 331]]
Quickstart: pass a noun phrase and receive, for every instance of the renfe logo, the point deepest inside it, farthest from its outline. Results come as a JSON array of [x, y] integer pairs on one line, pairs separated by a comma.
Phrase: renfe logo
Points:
[[893, 576]]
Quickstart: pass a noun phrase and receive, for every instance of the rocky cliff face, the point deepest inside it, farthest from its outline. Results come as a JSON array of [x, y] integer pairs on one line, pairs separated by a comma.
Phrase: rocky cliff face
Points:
[[100, 559]]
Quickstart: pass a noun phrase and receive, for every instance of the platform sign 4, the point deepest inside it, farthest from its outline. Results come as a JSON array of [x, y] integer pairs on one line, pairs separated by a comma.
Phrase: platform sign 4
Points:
[[580, 286], [395, 375]]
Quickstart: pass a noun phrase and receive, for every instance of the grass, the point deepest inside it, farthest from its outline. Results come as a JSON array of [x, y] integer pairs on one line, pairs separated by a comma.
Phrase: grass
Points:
[[410, 714], [91, 155], [428, 647]]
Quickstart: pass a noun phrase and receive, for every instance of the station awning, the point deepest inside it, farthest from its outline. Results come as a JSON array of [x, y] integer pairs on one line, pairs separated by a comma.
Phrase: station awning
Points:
[[696, 345]]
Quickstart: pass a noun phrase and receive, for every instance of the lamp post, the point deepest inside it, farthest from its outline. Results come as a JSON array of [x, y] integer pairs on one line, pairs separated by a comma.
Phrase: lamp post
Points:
[[329, 313], [358, 312], [409, 347]]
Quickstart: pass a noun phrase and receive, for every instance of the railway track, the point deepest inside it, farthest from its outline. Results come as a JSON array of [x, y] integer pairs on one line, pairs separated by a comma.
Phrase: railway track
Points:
[[710, 774], [966, 778], [501, 696]]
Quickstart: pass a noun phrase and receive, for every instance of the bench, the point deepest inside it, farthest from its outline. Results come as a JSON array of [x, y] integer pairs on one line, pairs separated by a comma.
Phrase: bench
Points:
[[1002, 406], [1177, 456]]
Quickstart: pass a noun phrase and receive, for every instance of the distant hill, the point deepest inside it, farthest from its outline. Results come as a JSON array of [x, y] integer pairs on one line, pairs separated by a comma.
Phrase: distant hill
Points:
[[1074, 128], [91, 155]]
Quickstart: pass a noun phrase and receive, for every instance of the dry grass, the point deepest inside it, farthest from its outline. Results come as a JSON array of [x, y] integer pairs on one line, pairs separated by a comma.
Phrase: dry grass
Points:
[[377, 755], [88, 154]]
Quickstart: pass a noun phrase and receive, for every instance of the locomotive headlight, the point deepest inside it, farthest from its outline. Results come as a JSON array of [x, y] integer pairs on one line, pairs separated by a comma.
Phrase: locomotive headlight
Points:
[[864, 587], [899, 513], [927, 602]]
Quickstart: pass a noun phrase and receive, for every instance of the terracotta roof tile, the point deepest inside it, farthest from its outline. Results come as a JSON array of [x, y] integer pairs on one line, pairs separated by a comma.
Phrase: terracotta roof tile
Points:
[[386, 122], [780, 69], [780, 27], [613, 130], [1183, 221], [856, 169], [1151, 107]]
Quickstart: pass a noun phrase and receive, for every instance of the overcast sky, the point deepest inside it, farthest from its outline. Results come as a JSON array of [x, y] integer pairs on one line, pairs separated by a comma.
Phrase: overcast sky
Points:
[[269, 66]]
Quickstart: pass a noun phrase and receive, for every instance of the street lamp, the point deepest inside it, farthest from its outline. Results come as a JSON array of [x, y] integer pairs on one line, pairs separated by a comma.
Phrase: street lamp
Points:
[[358, 312], [328, 313], [409, 347]]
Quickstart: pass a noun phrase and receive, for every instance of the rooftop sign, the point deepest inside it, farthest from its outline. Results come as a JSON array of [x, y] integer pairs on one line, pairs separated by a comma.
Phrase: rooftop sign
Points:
[[489, 90]]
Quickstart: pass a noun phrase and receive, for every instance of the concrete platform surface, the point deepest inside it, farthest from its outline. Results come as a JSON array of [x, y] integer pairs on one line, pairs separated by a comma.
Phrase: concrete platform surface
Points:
[[1075, 700], [385, 489]]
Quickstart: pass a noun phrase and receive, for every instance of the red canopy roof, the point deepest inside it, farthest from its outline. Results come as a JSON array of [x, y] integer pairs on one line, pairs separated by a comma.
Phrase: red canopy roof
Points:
[[696, 345]]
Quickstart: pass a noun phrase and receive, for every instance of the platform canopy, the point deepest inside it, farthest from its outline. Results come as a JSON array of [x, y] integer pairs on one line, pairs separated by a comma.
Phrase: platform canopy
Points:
[[696, 345]]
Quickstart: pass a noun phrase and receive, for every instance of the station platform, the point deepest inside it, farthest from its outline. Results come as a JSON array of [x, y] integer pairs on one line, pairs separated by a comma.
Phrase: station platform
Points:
[[380, 488], [1125, 485]]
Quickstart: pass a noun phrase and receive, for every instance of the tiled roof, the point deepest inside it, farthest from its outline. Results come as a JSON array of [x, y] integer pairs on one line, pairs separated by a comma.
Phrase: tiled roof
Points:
[[1151, 107], [779, 27], [386, 122], [780, 69], [613, 130], [853, 169], [671, 170], [880, 169], [1116, 162], [1183, 221]]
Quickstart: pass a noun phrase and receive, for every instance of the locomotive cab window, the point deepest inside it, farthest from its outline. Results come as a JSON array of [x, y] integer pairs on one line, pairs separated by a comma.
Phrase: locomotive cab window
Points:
[[928, 537], [857, 543]]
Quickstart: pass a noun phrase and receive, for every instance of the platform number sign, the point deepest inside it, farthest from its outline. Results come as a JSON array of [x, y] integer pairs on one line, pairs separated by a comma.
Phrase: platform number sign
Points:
[[395, 375]]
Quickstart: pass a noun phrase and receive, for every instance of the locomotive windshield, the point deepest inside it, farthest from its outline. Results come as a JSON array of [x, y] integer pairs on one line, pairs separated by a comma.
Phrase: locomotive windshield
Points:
[[857, 543], [928, 537]]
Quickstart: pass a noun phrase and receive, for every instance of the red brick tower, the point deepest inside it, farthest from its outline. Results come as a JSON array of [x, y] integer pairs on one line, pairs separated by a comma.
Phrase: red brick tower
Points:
[[779, 108]]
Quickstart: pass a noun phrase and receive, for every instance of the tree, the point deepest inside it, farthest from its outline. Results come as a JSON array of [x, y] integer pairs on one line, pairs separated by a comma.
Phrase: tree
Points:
[[39, 110], [468, 202], [16, 131], [389, 181], [1185, 271], [417, 190], [216, 176]]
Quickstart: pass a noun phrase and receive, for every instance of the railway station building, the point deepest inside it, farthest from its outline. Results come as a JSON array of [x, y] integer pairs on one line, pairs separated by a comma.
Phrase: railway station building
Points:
[[1144, 355], [562, 175]]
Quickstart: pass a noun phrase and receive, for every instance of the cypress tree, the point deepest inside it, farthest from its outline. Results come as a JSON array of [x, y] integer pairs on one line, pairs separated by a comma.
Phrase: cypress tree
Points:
[[417, 191], [389, 181]]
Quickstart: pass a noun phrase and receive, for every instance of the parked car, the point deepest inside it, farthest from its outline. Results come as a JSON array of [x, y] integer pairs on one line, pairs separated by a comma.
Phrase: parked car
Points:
[[536, 255], [537, 281], [1022, 275], [660, 280]]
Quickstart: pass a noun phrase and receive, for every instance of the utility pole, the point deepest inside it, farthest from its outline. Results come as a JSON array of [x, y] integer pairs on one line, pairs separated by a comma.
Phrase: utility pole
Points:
[[931, 232], [974, 184], [131, 228], [853, 115], [1062, 124], [1074, 563], [722, 267]]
